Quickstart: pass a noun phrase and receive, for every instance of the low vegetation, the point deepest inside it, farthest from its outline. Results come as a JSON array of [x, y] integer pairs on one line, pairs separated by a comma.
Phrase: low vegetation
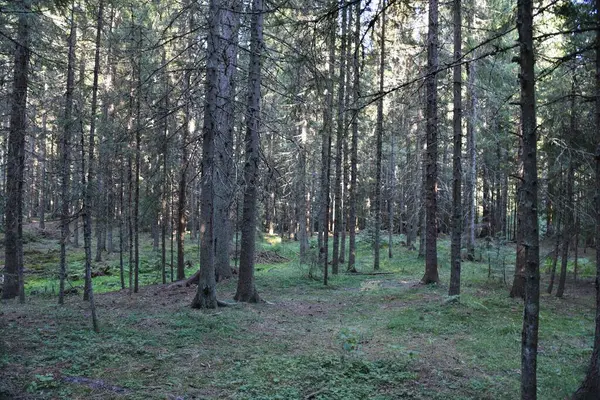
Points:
[[364, 336]]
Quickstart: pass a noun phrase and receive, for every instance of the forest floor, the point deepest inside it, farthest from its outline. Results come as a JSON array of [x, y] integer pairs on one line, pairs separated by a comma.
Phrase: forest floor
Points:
[[361, 337]]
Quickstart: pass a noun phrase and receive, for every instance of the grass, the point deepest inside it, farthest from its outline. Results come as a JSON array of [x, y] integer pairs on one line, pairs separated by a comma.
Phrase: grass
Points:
[[361, 337]]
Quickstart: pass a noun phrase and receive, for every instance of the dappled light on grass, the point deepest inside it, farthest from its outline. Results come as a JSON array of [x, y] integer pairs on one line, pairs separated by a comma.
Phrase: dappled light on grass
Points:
[[364, 336]]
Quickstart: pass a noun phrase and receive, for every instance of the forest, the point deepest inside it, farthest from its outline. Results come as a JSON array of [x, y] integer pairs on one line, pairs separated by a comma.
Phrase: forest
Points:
[[347, 199]]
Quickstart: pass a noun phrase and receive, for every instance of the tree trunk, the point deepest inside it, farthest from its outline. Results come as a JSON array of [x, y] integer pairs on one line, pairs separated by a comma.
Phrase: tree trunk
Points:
[[379, 147], [529, 222], [590, 387], [568, 229], [181, 200], [340, 135], [354, 146], [65, 156], [558, 232], [431, 271], [302, 202], [246, 289], [42, 174], [455, 260], [206, 296], [224, 190], [15, 169], [471, 181], [88, 187]]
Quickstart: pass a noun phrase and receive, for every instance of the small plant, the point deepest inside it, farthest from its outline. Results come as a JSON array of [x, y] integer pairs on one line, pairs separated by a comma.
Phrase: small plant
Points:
[[350, 339], [45, 381]]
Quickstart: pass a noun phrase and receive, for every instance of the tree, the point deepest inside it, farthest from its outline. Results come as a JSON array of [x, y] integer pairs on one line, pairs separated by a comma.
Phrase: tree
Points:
[[65, 155], [379, 146], [246, 289], [224, 190], [431, 272], [88, 183], [13, 253], [590, 386], [455, 257], [529, 202], [339, 140], [352, 192], [206, 296]]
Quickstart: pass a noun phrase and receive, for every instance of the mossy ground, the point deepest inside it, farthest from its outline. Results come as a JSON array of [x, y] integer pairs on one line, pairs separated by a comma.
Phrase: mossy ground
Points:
[[360, 337]]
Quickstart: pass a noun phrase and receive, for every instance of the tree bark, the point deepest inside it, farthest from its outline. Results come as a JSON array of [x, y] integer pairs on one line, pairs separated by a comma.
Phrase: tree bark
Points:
[[590, 387], [340, 134], [354, 146], [65, 156], [379, 148], [206, 296], [431, 271], [15, 169], [88, 187], [471, 181], [455, 260], [224, 189], [529, 204], [246, 289], [518, 286]]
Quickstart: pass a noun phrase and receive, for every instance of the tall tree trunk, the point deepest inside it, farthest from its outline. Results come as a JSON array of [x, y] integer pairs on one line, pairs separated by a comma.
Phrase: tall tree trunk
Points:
[[246, 289], [15, 169], [65, 155], [326, 160], [88, 187], [340, 134], [181, 200], [568, 229], [379, 147], [455, 260], [224, 190], [518, 286], [392, 195], [529, 222], [431, 271], [590, 386], [354, 146], [42, 175], [471, 181], [138, 151], [302, 202], [557, 232], [206, 296]]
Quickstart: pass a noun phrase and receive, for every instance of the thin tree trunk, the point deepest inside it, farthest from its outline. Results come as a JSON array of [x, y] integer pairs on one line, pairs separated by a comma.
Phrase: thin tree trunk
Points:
[[246, 289], [471, 181], [326, 161], [529, 222], [302, 202], [206, 296], [42, 165], [590, 387], [518, 286], [65, 156], [15, 169], [392, 195], [455, 260], [224, 190], [379, 147], [354, 146], [558, 232], [340, 134], [88, 187], [431, 271], [568, 229]]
